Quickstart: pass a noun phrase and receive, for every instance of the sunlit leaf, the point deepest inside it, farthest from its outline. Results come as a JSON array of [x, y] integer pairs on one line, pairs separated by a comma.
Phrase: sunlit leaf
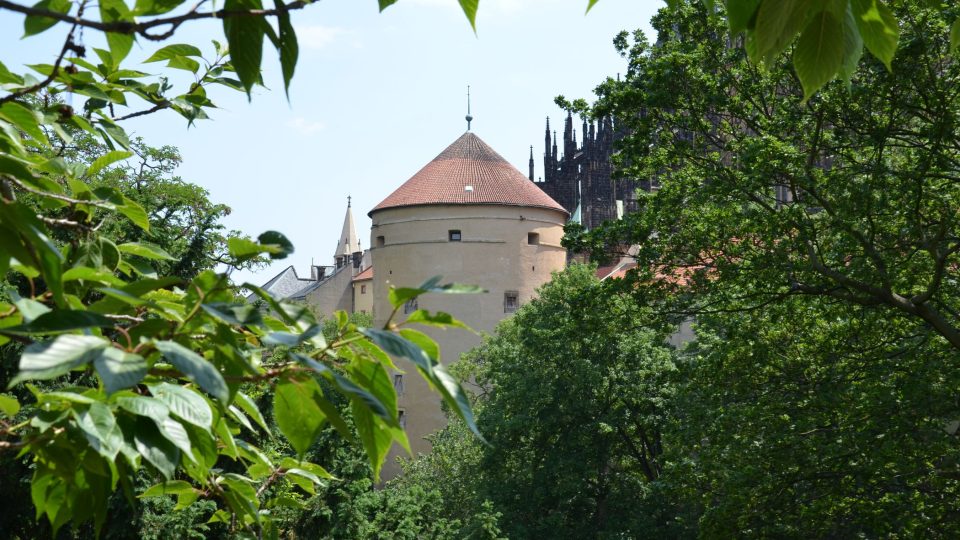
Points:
[[195, 368]]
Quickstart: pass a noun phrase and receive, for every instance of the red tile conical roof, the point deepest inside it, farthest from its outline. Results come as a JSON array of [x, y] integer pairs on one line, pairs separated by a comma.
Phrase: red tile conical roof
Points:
[[469, 172]]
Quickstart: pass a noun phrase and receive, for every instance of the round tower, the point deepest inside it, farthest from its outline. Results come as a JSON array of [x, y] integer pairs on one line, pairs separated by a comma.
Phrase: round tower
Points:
[[472, 218]]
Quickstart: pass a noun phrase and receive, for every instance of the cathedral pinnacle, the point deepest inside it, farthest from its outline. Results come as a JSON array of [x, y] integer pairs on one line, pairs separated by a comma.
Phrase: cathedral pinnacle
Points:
[[468, 117]]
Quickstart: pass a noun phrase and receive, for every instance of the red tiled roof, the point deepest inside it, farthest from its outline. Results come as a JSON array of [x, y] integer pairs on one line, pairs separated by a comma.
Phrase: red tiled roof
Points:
[[365, 275], [469, 162], [616, 271]]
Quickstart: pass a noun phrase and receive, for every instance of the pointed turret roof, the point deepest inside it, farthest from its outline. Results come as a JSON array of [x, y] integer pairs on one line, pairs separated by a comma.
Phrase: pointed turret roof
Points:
[[348, 237], [469, 172]]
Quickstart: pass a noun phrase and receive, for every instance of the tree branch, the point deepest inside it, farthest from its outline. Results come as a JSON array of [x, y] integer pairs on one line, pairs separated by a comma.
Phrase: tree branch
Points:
[[143, 28]]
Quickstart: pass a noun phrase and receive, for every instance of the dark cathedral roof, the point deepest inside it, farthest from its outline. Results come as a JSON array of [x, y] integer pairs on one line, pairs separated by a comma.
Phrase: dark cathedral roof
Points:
[[469, 172]]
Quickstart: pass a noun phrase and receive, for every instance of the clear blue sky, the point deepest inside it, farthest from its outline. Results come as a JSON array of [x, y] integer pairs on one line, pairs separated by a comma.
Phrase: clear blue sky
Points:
[[375, 97]]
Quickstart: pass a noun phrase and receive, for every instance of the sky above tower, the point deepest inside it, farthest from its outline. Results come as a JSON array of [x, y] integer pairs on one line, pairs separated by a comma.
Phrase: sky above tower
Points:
[[375, 97]]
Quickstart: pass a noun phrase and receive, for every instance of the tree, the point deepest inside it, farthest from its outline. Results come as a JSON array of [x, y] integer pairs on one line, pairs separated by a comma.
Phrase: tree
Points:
[[827, 38], [154, 361], [814, 242], [763, 195], [574, 394], [814, 418]]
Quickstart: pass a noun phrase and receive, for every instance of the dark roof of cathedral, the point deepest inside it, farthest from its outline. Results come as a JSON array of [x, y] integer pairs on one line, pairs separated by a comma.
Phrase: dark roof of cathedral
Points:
[[469, 172]]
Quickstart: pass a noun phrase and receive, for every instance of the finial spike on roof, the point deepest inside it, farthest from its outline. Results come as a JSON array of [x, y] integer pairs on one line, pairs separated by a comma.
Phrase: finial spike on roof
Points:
[[469, 118], [348, 201]]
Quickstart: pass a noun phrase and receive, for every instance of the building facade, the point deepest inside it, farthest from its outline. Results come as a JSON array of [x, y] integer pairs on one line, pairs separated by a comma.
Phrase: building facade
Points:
[[470, 217]]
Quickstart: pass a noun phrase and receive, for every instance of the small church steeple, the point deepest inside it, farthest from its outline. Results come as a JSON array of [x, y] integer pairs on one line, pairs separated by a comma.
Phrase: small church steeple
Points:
[[348, 245]]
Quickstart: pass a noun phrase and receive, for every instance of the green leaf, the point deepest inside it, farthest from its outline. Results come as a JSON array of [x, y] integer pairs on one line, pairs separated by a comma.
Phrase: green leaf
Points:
[[30, 309], [270, 242], [26, 119], [23, 220], [401, 295], [590, 4], [173, 51], [385, 409], [174, 432], [15, 168], [86, 273], [411, 346], [245, 40], [155, 448], [778, 22], [239, 314], [384, 4], [223, 433], [155, 7], [185, 403], [878, 27], [441, 319], [106, 160], [148, 407], [376, 438], [114, 132], [120, 44], [135, 213], [173, 487], [276, 244], [100, 429], [955, 36], [290, 313], [195, 368], [296, 410], [819, 53], [241, 418], [313, 468], [50, 359], [306, 474], [741, 15], [250, 407], [60, 320], [288, 48], [469, 8], [852, 47], [34, 24], [289, 339], [119, 369], [9, 405], [146, 250]]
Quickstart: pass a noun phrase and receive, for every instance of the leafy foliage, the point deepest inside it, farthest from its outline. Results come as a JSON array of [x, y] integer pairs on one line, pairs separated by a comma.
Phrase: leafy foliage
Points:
[[828, 38], [136, 358], [573, 393], [814, 240]]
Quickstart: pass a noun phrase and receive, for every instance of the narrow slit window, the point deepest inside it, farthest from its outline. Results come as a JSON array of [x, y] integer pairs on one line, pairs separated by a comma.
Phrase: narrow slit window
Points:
[[381, 241], [410, 306], [402, 418], [454, 235], [511, 301], [398, 383]]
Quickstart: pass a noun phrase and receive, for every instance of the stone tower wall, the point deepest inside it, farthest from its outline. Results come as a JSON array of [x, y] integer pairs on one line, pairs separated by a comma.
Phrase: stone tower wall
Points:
[[412, 244]]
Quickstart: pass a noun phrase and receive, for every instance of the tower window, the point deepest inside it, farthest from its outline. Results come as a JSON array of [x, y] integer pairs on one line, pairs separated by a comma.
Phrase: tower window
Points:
[[402, 418], [533, 238], [398, 383], [381, 241], [511, 301], [363, 289], [410, 306], [454, 235]]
